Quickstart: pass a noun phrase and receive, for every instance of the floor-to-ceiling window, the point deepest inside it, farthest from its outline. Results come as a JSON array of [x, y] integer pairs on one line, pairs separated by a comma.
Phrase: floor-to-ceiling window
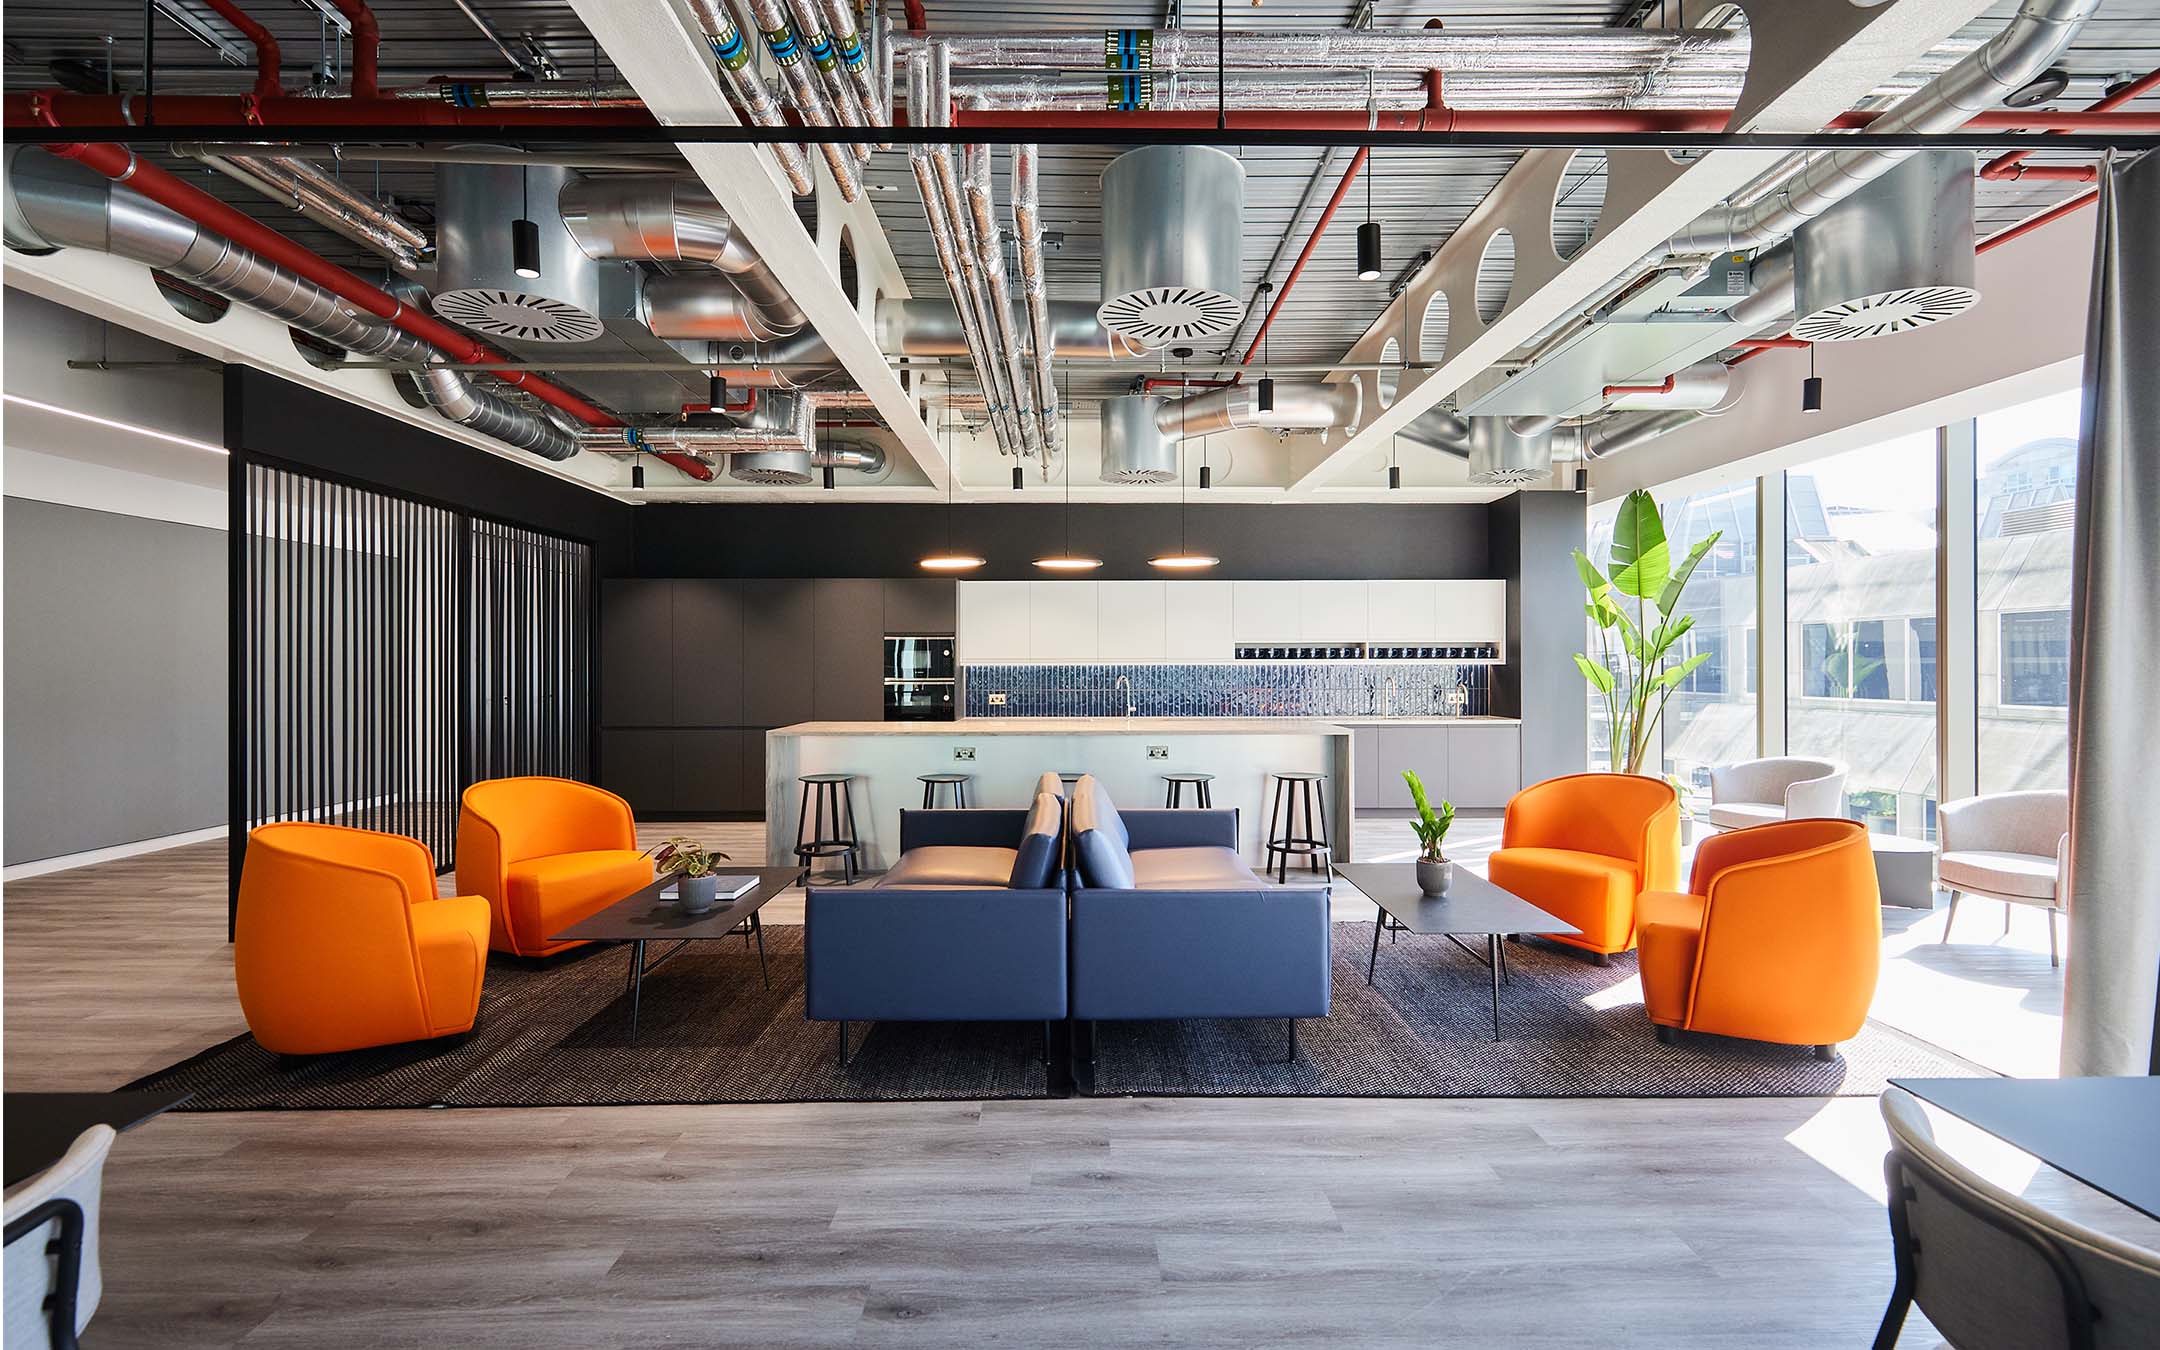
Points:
[[2025, 470], [1711, 718], [1860, 636]]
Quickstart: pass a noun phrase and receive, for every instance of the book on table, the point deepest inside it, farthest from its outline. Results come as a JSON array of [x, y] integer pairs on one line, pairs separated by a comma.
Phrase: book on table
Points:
[[731, 888]]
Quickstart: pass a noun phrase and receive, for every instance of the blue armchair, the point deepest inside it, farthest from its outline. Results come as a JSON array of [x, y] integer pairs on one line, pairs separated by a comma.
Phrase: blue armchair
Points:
[[1169, 922], [968, 926]]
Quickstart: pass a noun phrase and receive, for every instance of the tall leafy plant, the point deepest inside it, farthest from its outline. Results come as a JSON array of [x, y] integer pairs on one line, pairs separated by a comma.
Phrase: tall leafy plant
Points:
[[1635, 606]]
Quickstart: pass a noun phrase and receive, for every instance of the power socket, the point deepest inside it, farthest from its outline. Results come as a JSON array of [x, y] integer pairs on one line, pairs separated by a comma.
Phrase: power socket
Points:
[[1158, 752], [998, 699], [966, 752]]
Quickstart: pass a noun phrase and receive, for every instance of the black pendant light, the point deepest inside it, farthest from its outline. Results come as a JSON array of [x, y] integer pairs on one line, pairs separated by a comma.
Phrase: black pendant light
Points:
[[1811, 387], [716, 392], [1267, 385], [1019, 477], [1184, 559], [1065, 560], [1368, 237], [950, 559], [525, 235], [637, 475], [1394, 470], [1207, 477]]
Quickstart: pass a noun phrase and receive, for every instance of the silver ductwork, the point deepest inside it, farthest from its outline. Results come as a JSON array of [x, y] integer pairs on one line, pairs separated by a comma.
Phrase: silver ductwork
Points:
[[1027, 224], [1706, 384], [52, 203], [748, 88], [2007, 62], [1503, 454], [1617, 435], [673, 220], [1298, 406], [1896, 255], [1173, 230], [1134, 448], [808, 89], [1386, 91], [320, 197], [476, 285], [689, 308]]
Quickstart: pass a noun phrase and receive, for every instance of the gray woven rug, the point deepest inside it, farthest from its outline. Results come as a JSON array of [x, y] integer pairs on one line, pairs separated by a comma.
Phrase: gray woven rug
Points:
[[557, 1034]]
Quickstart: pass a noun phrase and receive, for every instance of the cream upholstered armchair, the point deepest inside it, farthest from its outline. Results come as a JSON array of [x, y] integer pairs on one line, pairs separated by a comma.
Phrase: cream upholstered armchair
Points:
[[2007, 846], [1760, 791]]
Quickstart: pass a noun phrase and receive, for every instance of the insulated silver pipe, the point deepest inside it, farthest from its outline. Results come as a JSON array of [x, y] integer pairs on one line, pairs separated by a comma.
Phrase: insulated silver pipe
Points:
[[1027, 224], [997, 379], [1772, 299], [1299, 406], [953, 259], [670, 220], [808, 89], [990, 256], [1417, 49], [2007, 62], [855, 62], [1392, 91], [881, 57], [321, 198], [810, 26], [522, 94], [748, 88], [1618, 435], [53, 203], [780, 422]]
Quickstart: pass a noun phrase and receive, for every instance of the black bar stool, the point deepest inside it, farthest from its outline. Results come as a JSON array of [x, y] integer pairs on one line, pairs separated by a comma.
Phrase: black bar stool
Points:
[[931, 782], [1284, 839], [833, 809], [1176, 791]]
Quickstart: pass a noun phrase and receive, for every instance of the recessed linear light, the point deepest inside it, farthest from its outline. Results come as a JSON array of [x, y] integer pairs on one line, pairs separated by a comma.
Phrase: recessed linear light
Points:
[[1068, 562], [154, 435]]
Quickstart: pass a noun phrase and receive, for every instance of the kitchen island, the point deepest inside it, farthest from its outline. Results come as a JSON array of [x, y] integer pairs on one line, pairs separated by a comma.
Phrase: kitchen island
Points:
[[1006, 755]]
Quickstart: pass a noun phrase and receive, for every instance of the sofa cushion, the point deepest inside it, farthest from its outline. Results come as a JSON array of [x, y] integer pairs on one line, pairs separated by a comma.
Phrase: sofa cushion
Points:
[[1099, 839], [1035, 865], [1051, 784], [1593, 891], [2023, 874], [543, 896], [1742, 815], [950, 865], [1206, 868], [1670, 927]]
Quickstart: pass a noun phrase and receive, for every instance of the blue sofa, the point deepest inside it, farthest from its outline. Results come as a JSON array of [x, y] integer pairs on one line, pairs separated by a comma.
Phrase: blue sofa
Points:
[[968, 926], [1169, 922]]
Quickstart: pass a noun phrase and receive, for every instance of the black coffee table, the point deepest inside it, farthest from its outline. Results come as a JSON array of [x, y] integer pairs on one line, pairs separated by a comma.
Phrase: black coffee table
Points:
[[42, 1126], [642, 917], [1472, 906]]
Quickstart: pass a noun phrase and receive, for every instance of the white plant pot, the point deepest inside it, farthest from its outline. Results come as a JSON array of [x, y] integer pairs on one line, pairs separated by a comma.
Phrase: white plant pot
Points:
[[1433, 878]]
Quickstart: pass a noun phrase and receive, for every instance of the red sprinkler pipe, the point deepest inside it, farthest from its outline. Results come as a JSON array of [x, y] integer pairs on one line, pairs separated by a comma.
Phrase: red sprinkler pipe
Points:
[[689, 464], [366, 46], [917, 21], [1304, 256], [1622, 390], [2011, 165], [120, 164], [1774, 342], [267, 57]]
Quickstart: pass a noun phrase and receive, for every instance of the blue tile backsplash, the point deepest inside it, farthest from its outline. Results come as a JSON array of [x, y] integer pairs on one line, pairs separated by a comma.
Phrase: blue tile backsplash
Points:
[[1246, 689]]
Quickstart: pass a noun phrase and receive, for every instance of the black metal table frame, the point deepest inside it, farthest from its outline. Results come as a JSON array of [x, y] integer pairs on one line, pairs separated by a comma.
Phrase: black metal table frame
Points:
[[634, 979], [1494, 956]]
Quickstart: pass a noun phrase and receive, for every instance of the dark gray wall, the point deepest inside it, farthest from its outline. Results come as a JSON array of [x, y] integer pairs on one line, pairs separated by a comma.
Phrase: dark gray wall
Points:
[[1255, 543], [1534, 538], [115, 679]]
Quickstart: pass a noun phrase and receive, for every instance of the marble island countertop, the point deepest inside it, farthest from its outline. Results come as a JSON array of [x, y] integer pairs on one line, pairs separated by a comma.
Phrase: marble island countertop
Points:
[[1116, 726]]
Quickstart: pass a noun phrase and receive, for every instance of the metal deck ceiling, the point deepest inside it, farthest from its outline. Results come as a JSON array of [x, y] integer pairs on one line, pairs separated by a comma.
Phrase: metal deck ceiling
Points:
[[1420, 197]]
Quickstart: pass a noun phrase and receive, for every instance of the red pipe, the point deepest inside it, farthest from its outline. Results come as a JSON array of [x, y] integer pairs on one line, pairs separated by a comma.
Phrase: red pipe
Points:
[[917, 21], [2006, 166], [2046, 173], [267, 57], [55, 108], [366, 46], [1774, 342], [1304, 256], [1621, 390], [689, 464], [120, 164]]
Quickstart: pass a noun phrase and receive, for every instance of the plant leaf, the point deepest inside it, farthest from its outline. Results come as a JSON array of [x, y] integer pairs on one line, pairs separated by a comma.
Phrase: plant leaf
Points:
[[1600, 678], [1642, 561], [1671, 679], [1669, 598]]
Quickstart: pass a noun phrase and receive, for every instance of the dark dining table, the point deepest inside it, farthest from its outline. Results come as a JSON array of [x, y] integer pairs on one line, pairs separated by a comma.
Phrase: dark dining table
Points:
[[2103, 1131], [41, 1126]]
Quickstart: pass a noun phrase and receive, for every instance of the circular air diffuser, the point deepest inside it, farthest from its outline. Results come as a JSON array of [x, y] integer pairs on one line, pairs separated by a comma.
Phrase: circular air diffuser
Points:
[[1134, 449], [1890, 312], [1173, 227], [512, 314], [771, 468]]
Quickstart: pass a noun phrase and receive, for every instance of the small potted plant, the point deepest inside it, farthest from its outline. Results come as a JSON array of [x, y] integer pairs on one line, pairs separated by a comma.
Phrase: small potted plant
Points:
[[1434, 871], [697, 886]]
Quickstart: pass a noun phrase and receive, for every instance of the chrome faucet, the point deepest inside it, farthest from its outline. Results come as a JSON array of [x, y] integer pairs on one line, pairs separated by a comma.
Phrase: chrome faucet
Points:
[[1130, 706], [1387, 704]]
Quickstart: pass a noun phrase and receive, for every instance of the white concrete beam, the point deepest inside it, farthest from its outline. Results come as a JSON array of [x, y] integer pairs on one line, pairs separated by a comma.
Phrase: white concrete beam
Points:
[[2024, 340], [1813, 59], [654, 45]]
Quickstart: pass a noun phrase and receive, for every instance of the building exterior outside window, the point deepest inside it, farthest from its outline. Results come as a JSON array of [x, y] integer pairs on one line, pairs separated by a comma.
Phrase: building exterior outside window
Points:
[[2025, 470]]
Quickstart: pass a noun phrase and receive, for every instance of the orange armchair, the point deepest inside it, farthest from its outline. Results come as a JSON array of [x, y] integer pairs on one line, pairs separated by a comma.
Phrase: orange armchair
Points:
[[1779, 937], [1584, 846], [341, 943], [546, 852]]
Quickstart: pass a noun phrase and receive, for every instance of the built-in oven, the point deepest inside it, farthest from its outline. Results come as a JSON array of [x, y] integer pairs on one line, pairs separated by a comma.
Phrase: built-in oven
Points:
[[919, 657], [919, 701]]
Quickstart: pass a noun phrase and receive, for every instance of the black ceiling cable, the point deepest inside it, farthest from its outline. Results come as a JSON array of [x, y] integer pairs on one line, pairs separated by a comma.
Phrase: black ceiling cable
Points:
[[1222, 72]]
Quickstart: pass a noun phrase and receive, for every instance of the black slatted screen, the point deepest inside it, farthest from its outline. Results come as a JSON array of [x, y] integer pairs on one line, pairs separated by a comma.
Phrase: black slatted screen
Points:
[[531, 643]]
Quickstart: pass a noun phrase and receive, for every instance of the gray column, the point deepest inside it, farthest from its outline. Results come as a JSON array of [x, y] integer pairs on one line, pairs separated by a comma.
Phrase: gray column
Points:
[[2112, 986], [1957, 649]]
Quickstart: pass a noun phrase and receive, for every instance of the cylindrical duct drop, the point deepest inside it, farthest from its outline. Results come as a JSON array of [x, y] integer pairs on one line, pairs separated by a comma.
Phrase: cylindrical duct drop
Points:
[[1896, 255], [1134, 449], [1173, 226]]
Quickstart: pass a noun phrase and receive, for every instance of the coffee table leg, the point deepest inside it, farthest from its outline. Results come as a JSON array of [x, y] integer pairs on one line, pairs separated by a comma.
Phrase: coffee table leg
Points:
[[1374, 960], [1505, 976], [758, 927], [637, 983], [1492, 951]]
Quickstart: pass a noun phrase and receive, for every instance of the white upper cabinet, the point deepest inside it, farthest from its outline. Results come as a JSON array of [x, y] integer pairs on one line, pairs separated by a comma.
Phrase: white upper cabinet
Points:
[[1062, 621], [1400, 612], [1264, 611], [1197, 620], [993, 621], [1332, 612], [1129, 620], [1472, 611]]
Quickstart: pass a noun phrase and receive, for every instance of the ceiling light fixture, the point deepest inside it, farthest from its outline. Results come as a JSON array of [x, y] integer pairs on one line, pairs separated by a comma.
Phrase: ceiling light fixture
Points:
[[950, 559], [95, 420], [1267, 385], [1368, 237], [1811, 387], [1394, 470], [525, 235], [1184, 560], [1065, 560]]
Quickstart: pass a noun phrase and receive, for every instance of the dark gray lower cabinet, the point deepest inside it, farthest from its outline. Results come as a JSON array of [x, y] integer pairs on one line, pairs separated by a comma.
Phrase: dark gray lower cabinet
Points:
[[848, 647], [708, 771], [638, 764]]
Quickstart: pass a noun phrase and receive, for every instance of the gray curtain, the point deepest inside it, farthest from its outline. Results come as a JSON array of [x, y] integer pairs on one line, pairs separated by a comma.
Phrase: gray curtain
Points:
[[2112, 995]]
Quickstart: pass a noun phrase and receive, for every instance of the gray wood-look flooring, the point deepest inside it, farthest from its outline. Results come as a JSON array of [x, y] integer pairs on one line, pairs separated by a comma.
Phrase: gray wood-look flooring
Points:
[[1732, 1223]]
